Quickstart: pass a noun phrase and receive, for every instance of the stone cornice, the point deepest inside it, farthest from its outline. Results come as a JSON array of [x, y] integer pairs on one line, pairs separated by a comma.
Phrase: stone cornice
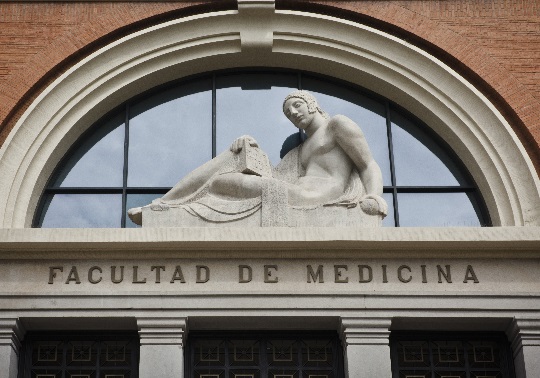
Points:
[[524, 242]]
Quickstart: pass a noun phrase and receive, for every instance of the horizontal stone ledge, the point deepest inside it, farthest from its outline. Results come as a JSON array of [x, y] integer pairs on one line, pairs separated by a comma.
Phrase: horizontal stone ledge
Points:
[[389, 298], [292, 242]]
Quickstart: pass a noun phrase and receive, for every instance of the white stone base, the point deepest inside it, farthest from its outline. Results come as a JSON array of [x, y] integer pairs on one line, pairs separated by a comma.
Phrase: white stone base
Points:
[[329, 216]]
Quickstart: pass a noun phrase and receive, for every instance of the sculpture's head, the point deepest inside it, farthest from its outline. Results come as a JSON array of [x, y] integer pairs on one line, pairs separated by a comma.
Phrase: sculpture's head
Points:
[[308, 99]]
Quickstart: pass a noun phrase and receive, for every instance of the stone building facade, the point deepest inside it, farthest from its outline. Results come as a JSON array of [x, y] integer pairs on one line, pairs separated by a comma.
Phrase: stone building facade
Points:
[[385, 302]]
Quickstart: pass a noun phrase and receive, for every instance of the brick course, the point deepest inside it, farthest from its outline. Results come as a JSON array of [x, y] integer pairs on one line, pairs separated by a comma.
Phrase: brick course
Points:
[[40, 40], [493, 43]]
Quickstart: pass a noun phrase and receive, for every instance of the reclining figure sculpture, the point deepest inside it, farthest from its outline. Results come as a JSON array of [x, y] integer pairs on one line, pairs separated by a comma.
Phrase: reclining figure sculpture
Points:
[[331, 179]]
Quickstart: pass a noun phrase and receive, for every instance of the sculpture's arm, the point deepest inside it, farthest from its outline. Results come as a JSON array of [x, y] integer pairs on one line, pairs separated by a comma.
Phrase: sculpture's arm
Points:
[[351, 139], [238, 143]]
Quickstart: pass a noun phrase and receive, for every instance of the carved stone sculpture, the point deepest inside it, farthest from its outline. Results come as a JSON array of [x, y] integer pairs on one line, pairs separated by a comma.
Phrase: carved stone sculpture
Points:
[[329, 180]]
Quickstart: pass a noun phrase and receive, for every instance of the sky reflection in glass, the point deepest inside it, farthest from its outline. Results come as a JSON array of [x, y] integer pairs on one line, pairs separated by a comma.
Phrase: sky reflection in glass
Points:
[[83, 211], [99, 161], [170, 134], [419, 161], [436, 210], [252, 104]]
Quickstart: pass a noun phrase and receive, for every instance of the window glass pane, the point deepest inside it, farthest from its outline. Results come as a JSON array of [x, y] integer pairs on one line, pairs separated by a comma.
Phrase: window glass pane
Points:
[[367, 113], [82, 210], [99, 161], [264, 355], [437, 210], [170, 134], [449, 355], [80, 355], [419, 160], [138, 200], [389, 220], [252, 104]]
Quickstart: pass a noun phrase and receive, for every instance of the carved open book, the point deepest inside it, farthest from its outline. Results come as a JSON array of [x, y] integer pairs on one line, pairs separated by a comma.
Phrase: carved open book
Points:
[[254, 161]]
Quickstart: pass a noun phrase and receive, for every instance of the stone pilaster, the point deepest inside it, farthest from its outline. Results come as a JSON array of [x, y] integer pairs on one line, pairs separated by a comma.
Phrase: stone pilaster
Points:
[[366, 346], [524, 336], [11, 334], [162, 347]]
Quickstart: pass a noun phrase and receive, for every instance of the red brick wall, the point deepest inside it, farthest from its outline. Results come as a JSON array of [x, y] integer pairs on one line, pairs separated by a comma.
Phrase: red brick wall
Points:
[[493, 43], [40, 40]]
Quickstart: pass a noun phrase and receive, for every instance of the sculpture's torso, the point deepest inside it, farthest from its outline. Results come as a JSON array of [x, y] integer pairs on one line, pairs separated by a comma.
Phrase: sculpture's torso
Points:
[[327, 169]]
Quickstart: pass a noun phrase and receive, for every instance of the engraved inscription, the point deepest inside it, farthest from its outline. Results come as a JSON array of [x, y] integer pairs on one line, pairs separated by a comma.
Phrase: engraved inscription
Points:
[[313, 274]]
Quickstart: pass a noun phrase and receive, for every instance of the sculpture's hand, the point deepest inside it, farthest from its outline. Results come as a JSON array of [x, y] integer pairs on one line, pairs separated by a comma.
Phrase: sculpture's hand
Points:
[[373, 204], [157, 205], [237, 145]]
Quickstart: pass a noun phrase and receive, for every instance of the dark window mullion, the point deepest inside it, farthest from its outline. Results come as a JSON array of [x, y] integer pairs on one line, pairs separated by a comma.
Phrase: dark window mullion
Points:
[[148, 190], [99, 345], [300, 362], [263, 357], [432, 365], [227, 344], [214, 116], [85, 190], [64, 345], [301, 133], [465, 345], [392, 166], [434, 189], [125, 171]]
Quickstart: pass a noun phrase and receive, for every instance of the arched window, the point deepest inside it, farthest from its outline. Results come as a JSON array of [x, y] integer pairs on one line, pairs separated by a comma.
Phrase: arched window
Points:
[[139, 151]]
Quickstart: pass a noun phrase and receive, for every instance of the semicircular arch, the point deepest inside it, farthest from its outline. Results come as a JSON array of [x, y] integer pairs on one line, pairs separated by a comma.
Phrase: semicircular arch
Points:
[[384, 64]]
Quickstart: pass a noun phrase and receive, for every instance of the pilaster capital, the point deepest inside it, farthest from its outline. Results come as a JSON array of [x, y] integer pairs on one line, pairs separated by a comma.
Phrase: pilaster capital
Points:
[[162, 331], [365, 331], [523, 332], [11, 333]]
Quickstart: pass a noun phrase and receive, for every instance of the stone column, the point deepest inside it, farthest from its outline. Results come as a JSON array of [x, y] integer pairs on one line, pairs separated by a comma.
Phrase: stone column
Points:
[[162, 347], [366, 346], [11, 334], [524, 335]]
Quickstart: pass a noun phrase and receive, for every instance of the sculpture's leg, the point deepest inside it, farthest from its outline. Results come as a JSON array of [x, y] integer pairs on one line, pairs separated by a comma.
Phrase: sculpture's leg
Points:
[[236, 185], [190, 184], [198, 178]]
